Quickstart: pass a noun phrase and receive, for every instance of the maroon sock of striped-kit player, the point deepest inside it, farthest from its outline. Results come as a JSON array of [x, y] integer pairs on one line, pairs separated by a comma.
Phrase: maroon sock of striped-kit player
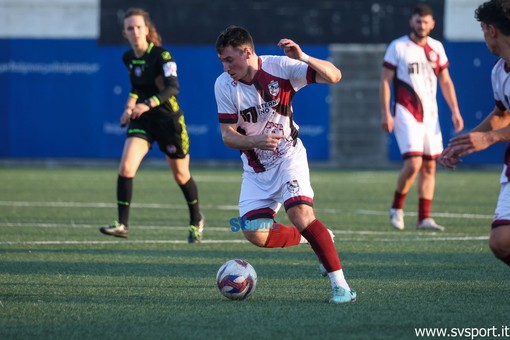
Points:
[[322, 244], [282, 236], [398, 200], [424, 208]]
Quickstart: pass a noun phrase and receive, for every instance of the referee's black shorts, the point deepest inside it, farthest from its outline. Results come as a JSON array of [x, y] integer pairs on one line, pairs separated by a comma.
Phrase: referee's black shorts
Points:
[[169, 131]]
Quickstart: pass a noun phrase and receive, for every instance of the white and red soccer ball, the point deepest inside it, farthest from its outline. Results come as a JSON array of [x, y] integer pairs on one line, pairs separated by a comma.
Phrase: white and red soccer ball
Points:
[[236, 279]]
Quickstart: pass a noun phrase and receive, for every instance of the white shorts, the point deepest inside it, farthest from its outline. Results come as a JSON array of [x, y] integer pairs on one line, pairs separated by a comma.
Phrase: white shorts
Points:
[[502, 213], [262, 194], [416, 138]]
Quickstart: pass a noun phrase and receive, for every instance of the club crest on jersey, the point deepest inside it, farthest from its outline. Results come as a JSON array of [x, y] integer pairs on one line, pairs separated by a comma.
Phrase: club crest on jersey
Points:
[[274, 88], [293, 186], [234, 83], [138, 71], [433, 56]]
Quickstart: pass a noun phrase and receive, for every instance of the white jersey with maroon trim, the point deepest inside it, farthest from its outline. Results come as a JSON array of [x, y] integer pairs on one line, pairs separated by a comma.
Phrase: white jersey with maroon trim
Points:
[[416, 69], [500, 77], [264, 106]]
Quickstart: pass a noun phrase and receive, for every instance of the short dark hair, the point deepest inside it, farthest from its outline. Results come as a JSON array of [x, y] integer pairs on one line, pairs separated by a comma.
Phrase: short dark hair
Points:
[[423, 10], [496, 13], [235, 36]]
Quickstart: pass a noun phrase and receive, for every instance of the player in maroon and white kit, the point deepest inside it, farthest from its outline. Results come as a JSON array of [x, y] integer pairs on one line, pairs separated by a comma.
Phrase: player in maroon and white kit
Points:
[[254, 98], [494, 18], [414, 64]]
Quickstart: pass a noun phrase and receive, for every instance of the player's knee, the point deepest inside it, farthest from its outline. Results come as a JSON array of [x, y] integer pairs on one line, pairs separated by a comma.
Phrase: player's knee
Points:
[[126, 170], [499, 248], [413, 164], [182, 178]]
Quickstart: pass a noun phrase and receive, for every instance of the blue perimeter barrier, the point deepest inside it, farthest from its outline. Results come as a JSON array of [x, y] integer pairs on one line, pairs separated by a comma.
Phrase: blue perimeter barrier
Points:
[[63, 99]]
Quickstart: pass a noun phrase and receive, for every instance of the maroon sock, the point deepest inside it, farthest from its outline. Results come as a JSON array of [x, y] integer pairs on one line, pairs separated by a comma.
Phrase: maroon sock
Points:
[[424, 208], [282, 236], [322, 244], [398, 200]]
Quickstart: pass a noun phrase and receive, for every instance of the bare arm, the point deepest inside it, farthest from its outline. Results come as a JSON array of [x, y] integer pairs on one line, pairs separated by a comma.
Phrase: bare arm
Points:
[[448, 89], [387, 76], [235, 140], [326, 71], [493, 129]]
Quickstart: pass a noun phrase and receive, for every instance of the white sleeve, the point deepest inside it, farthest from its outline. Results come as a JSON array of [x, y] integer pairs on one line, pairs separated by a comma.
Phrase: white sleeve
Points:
[[223, 96], [295, 71], [391, 57]]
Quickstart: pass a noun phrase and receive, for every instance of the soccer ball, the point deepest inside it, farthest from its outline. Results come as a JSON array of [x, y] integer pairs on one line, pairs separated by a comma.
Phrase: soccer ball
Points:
[[236, 279]]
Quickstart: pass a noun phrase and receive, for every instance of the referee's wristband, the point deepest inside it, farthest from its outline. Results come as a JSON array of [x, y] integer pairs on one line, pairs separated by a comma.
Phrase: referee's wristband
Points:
[[304, 57]]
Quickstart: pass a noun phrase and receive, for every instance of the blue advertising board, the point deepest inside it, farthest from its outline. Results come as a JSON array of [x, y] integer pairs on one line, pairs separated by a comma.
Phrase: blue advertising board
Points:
[[63, 99]]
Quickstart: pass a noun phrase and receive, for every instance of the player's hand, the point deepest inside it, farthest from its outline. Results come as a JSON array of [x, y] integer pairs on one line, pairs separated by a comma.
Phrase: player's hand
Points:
[[139, 110], [290, 48], [449, 159], [268, 141], [125, 117], [458, 123], [469, 143], [387, 124]]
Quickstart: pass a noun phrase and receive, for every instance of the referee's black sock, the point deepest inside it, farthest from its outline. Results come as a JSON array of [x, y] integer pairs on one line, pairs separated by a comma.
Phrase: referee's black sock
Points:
[[190, 192], [124, 195]]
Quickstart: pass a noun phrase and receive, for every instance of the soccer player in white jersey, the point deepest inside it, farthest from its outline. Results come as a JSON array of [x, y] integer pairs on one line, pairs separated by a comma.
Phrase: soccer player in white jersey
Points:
[[414, 64], [254, 97], [494, 18]]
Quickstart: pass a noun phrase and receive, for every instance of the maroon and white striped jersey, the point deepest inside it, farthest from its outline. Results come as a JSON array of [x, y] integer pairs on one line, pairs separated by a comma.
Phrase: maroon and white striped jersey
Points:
[[264, 106], [500, 77], [416, 69]]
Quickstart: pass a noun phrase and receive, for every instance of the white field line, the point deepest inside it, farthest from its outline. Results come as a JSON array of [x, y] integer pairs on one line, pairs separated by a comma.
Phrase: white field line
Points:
[[215, 207], [341, 236], [116, 242], [386, 236], [106, 205], [435, 214], [411, 239]]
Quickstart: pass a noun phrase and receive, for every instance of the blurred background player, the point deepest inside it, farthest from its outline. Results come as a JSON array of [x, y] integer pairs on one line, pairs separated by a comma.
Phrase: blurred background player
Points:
[[415, 63], [152, 114], [254, 95], [494, 18]]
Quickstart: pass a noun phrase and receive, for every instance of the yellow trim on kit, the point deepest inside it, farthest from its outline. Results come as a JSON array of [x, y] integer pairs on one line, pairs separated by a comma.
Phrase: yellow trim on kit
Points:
[[174, 103], [149, 49], [184, 135]]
